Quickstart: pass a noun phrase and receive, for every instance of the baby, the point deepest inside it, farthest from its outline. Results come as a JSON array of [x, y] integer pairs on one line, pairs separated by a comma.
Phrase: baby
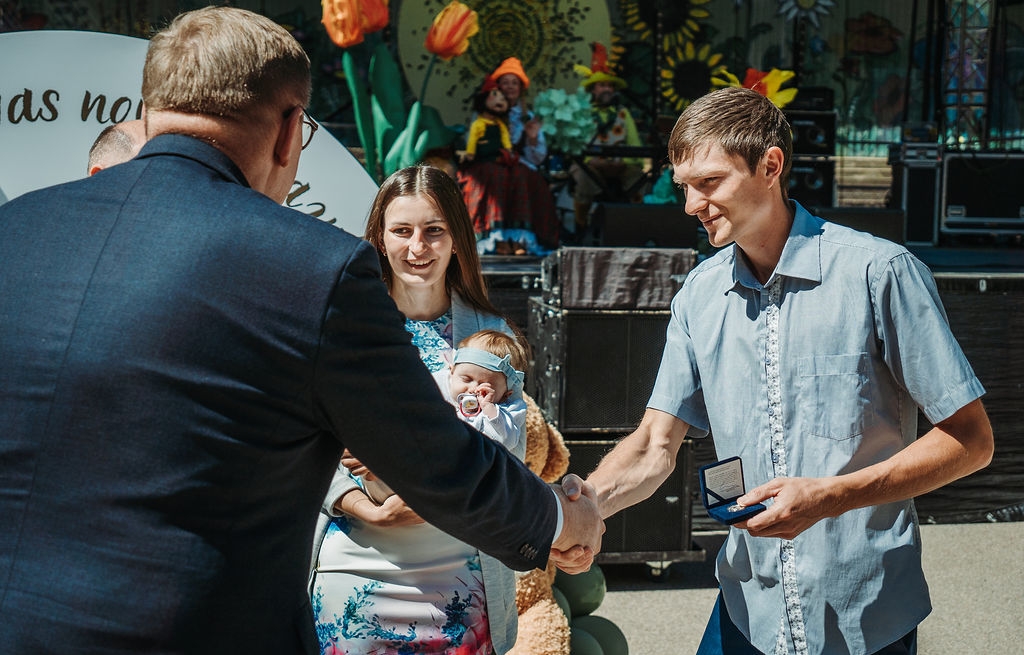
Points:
[[485, 384]]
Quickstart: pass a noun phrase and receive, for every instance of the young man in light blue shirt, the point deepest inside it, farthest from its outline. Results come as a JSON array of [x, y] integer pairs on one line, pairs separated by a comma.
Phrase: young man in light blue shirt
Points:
[[806, 348]]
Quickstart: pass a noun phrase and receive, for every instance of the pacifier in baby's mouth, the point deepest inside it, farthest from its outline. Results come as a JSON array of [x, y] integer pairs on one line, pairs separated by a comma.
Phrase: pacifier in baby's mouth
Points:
[[469, 404]]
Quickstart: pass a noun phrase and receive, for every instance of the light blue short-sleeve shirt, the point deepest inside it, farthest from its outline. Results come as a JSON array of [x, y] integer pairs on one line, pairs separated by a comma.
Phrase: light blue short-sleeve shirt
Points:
[[818, 372]]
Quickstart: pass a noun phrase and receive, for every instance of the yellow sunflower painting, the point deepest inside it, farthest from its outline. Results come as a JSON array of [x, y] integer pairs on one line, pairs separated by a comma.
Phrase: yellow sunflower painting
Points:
[[687, 73], [679, 20]]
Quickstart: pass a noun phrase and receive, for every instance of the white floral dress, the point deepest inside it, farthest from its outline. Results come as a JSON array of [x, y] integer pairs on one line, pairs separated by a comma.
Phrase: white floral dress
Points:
[[411, 590]]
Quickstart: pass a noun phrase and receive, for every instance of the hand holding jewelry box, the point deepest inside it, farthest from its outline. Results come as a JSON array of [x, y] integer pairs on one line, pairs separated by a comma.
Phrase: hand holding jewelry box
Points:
[[721, 484]]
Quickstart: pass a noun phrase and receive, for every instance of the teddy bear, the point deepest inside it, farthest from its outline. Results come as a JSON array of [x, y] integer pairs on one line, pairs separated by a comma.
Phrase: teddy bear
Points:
[[543, 625]]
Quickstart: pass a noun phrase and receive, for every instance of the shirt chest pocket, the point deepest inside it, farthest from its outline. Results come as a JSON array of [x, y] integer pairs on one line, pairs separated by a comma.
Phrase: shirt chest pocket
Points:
[[835, 396]]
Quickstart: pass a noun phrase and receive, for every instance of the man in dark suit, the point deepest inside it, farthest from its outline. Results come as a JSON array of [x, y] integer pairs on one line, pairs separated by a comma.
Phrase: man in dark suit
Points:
[[182, 360]]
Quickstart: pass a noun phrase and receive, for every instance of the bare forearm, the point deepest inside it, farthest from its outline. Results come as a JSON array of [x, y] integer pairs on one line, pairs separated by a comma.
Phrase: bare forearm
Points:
[[949, 451], [639, 464]]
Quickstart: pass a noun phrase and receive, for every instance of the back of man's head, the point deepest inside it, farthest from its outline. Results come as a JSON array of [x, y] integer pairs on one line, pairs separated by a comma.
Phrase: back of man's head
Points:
[[224, 62], [116, 144]]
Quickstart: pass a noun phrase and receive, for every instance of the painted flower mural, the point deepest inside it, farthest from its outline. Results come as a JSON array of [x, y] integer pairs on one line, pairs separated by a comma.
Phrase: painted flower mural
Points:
[[767, 84], [688, 73], [547, 37], [393, 135], [870, 34], [870, 75], [810, 10], [678, 21], [450, 32]]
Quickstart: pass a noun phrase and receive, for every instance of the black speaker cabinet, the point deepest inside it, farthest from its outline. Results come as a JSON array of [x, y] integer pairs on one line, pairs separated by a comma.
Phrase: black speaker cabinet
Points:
[[919, 198], [655, 530], [986, 314], [812, 181], [644, 226], [814, 132], [885, 223], [982, 192], [511, 280], [594, 370]]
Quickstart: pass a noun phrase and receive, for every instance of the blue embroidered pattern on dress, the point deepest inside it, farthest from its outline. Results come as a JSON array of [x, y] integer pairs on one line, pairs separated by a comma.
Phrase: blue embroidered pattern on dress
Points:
[[358, 622], [433, 338]]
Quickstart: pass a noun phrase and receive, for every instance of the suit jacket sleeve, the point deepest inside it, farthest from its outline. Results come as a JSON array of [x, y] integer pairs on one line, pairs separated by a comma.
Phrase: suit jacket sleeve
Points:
[[451, 475]]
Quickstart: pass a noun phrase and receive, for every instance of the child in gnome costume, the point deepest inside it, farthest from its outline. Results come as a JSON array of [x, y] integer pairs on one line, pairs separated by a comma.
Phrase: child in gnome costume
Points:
[[523, 126]]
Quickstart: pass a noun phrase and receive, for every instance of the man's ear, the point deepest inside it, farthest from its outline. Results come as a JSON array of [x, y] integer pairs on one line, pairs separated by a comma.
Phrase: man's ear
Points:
[[774, 162], [289, 131]]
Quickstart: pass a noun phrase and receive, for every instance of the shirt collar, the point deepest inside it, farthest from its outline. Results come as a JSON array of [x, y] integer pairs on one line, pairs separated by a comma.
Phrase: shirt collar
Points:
[[197, 150], [801, 256]]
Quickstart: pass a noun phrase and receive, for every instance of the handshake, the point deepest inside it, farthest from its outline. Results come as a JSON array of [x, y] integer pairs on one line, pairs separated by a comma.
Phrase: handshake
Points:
[[582, 525]]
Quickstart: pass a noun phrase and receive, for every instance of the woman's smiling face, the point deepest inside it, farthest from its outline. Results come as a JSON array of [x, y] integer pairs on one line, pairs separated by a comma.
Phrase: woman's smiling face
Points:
[[417, 241]]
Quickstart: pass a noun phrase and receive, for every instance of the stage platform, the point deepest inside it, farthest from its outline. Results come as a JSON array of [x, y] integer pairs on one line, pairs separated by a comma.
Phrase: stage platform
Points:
[[1002, 259], [1006, 259]]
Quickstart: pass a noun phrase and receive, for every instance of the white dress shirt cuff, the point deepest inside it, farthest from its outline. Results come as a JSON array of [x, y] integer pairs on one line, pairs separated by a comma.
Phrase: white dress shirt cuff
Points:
[[561, 519]]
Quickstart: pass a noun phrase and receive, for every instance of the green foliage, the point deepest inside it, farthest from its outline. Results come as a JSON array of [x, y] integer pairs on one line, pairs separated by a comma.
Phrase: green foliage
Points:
[[568, 122]]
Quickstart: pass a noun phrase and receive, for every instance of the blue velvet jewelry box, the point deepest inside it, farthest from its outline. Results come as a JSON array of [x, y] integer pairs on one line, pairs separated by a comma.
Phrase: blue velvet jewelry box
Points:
[[721, 484]]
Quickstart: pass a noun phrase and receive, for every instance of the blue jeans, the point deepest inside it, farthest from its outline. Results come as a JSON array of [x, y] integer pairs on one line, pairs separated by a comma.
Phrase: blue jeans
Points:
[[722, 637]]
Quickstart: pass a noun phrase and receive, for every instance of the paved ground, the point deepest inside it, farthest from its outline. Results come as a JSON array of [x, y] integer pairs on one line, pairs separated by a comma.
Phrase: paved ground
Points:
[[975, 572]]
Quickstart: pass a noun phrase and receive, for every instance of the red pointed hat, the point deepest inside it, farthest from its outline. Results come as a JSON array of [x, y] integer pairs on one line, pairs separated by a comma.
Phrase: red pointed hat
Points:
[[599, 70]]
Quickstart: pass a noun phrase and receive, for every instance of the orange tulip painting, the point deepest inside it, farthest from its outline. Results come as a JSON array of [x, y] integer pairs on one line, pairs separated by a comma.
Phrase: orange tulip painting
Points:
[[348, 21], [449, 35], [375, 15], [391, 134], [343, 21]]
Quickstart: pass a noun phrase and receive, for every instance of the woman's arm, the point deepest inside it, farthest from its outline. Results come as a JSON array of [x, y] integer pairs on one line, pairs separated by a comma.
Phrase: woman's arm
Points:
[[392, 513], [351, 500]]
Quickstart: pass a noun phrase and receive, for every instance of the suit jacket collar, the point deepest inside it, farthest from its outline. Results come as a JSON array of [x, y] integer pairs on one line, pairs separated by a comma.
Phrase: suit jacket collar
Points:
[[196, 149]]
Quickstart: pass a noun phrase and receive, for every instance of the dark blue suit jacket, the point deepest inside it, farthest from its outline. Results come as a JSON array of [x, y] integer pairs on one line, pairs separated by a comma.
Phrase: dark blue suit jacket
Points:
[[181, 362]]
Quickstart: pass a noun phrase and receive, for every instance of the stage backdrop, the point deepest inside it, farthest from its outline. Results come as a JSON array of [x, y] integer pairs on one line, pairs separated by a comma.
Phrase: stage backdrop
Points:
[[548, 37], [59, 89]]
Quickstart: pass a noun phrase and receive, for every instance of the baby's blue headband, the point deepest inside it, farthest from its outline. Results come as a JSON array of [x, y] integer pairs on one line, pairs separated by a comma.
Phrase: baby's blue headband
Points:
[[491, 362]]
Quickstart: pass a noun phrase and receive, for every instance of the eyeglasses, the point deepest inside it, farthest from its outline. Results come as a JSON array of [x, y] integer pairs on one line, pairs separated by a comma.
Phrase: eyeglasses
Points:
[[309, 128]]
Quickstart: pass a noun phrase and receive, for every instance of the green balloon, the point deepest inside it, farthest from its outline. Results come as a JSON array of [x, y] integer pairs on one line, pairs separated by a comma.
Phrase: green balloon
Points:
[[612, 641], [582, 642], [584, 591], [562, 601]]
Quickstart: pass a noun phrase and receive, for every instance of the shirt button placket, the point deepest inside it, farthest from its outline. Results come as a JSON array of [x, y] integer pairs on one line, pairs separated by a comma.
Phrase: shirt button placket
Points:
[[791, 590]]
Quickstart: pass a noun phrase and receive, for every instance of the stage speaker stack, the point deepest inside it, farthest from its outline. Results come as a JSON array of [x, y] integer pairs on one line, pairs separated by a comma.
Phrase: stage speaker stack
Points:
[[916, 186], [656, 530], [981, 193], [812, 178], [597, 332], [511, 280], [986, 314]]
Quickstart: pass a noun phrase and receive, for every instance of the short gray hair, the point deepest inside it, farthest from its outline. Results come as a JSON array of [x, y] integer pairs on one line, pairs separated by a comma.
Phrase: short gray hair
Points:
[[226, 62], [113, 146]]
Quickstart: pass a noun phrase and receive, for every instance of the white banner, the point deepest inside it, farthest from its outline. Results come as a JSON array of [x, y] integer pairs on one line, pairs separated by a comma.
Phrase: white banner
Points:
[[59, 89]]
